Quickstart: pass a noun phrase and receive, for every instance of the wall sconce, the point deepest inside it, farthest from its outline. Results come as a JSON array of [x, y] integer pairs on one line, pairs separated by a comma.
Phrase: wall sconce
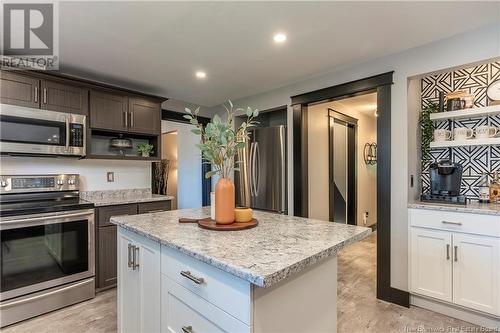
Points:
[[370, 153]]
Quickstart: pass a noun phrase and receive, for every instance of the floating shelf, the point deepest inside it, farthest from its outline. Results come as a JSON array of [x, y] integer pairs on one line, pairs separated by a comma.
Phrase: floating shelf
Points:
[[465, 143], [467, 113]]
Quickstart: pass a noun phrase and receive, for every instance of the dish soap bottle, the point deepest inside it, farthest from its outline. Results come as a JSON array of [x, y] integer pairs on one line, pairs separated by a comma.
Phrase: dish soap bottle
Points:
[[495, 188], [484, 188]]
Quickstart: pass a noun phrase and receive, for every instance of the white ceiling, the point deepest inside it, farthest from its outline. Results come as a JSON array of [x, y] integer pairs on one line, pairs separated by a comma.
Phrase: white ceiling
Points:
[[157, 46], [365, 104]]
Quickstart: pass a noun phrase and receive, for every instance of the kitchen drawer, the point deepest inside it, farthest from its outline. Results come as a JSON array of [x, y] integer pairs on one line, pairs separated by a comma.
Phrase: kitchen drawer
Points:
[[154, 206], [222, 289], [184, 311], [105, 213], [488, 225]]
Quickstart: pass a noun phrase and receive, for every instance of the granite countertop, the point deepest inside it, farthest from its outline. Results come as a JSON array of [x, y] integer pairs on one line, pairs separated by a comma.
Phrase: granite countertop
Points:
[[472, 207], [278, 247], [120, 197]]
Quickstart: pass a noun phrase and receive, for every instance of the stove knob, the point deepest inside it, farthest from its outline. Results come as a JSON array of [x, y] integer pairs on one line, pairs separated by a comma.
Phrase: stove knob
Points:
[[71, 181], [60, 182], [3, 183]]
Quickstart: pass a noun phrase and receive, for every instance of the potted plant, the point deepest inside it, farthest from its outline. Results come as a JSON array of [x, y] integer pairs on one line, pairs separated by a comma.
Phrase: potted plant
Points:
[[145, 149], [220, 142], [427, 130]]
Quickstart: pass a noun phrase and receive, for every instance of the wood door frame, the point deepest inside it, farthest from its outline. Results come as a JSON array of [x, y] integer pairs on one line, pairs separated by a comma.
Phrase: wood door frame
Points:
[[382, 85], [206, 184], [336, 115]]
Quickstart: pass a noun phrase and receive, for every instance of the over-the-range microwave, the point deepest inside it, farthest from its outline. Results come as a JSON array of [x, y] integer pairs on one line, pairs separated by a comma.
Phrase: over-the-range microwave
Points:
[[29, 131]]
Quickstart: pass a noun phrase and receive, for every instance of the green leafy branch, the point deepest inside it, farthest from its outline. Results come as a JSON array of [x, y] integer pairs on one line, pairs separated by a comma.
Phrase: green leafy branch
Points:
[[427, 128], [220, 142]]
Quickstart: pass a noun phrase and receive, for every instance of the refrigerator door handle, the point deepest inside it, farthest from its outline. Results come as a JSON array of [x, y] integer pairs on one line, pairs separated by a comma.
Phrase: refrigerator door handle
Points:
[[256, 168], [283, 169], [250, 168]]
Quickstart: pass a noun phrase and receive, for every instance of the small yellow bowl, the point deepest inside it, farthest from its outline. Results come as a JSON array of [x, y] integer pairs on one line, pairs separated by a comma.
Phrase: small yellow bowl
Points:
[[243, 214]]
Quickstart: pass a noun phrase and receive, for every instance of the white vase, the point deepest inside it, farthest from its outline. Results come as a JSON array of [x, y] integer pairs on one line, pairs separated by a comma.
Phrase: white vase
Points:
[[212, 205]]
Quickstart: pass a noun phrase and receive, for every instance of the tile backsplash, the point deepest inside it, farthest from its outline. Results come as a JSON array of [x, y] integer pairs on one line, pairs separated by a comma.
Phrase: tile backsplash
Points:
[[476, 159]]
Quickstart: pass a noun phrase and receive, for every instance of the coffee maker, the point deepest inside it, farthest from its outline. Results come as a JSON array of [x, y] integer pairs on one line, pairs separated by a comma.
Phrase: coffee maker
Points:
[[445, 181]]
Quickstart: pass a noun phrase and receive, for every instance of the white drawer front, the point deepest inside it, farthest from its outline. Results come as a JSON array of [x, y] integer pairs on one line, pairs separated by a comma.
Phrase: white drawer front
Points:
[[222, 289], [488, 225], [186, 312]]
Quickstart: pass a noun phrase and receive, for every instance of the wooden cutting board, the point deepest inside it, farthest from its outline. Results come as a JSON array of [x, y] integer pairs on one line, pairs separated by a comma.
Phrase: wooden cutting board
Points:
[[210, 224]]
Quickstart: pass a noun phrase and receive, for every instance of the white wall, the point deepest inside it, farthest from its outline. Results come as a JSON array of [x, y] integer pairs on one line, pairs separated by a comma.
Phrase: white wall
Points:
[[188, 164], [128, 174], [473, 46]]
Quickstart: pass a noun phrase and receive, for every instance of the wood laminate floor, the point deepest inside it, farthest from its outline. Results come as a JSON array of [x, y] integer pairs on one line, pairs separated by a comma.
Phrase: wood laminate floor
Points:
[[358, 308]]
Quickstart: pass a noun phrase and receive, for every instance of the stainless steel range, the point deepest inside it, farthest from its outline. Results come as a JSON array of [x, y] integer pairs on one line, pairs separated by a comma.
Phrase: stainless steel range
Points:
[[47, 245]]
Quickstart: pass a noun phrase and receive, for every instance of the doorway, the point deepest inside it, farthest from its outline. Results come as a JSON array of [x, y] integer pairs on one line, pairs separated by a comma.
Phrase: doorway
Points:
[[302, 105], [342, 167]]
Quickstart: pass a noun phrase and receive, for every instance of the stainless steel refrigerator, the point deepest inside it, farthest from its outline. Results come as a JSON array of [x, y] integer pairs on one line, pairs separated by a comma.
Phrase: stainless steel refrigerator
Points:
[[261, 182]]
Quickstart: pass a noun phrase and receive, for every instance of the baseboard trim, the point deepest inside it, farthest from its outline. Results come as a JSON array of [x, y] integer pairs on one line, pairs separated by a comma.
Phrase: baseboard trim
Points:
[[488, 321], [396, 296]]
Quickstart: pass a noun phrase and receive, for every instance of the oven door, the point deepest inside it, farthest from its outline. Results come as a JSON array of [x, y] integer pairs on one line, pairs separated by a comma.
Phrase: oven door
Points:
[[33, 131], [45, 250]]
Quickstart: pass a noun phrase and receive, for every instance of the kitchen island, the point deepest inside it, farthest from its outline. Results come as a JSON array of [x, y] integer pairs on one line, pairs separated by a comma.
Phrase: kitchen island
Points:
[[278, 277]]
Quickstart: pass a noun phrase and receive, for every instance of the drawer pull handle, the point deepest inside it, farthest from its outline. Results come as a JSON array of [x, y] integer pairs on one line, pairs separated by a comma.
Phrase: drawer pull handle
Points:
[[456, 253], [187, 329], [451, 222], [447, 251], [197, 280], [156, 211], [135, 256]]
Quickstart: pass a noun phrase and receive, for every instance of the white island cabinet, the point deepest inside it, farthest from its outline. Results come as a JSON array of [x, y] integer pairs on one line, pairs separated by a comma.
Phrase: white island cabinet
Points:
[[455, 260], [278, 277]]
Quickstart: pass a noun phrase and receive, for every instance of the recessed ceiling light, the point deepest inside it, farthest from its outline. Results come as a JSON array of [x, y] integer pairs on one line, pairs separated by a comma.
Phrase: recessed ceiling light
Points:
[[201, 75], [279, 38]]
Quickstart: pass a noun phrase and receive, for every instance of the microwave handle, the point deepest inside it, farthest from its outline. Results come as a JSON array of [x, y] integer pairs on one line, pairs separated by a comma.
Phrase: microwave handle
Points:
[[67, 133]]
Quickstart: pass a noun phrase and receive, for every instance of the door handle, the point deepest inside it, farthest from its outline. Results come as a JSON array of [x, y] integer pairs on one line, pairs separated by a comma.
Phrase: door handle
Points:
[[44, 95], [135, 257], [250, 167], [125, 118], [129, 258], [447, 251], [456, 253], [257, 168], [187, 329], [36, 95], [131, 119]]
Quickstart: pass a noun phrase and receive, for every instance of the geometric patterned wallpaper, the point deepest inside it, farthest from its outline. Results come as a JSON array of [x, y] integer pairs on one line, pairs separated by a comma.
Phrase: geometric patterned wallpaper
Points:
[[476, 160]]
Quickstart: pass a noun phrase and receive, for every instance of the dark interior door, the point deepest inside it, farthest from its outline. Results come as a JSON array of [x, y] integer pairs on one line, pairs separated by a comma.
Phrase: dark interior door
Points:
[[342, 153]]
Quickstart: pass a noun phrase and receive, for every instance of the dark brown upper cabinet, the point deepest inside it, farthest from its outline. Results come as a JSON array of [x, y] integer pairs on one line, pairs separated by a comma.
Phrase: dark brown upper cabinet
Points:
[[108, 111], [144, 116], [19, 90], [62, 97]]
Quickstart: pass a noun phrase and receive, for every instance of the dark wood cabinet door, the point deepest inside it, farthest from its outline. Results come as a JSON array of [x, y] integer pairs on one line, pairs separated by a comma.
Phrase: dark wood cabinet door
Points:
[[108, 111], [61, 97], [106, 258], [154, 206], [19, 90], [105, 213], [145, 116]]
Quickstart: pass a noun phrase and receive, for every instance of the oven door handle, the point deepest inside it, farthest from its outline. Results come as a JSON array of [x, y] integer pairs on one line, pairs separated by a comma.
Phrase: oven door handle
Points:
[[42, 218]]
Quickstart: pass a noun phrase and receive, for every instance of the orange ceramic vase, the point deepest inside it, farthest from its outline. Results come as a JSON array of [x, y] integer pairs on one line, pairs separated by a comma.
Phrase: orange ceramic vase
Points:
[[224, 201]]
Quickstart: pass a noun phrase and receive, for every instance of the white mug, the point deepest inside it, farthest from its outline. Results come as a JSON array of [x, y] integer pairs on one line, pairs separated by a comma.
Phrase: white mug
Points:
[[442, 135], [485, 131], [463, 133]]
